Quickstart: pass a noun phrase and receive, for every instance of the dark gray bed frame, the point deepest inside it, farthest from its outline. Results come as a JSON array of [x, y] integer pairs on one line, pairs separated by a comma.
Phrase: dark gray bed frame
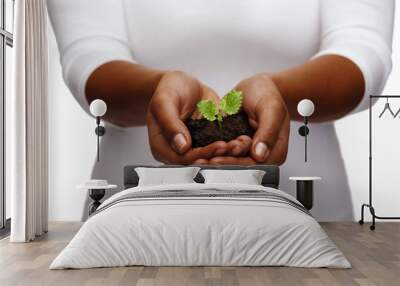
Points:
[[270, 179]]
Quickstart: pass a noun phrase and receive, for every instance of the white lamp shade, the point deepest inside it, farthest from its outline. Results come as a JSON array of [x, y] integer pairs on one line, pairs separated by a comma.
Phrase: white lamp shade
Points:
[[98, 108], [305, 108]]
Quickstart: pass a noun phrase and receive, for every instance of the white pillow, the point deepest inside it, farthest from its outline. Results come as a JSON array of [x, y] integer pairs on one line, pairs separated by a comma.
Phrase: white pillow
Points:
[[164, 176], [247, 177]]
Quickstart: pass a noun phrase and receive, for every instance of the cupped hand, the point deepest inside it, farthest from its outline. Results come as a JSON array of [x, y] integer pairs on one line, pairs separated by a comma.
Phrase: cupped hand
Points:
[[269, 116], [173, 102]]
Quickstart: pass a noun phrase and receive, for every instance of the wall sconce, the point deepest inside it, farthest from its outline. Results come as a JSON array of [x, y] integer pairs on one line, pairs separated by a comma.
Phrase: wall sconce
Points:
[[305, 108], [98, 108]]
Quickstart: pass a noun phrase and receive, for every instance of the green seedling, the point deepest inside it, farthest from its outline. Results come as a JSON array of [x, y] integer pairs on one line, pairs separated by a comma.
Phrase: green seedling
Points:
[[229, 105]]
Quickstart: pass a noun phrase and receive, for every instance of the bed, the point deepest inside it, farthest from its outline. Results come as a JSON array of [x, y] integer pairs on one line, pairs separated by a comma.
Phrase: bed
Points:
[[197, 224]]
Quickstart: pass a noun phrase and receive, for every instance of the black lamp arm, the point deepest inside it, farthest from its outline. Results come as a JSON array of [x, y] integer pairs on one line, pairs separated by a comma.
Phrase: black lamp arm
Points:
[[100, 131], [304, 131], [305, 138]]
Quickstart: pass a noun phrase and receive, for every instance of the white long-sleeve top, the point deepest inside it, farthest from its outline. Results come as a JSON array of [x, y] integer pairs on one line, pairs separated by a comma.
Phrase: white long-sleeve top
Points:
[[222, 42]]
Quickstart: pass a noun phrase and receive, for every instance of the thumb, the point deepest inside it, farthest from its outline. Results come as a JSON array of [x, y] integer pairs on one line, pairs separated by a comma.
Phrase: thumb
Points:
[[165, 110], [269, 122]]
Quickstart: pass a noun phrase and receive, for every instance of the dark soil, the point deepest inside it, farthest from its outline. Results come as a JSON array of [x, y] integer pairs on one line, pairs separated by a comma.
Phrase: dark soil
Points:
[[205, 132]]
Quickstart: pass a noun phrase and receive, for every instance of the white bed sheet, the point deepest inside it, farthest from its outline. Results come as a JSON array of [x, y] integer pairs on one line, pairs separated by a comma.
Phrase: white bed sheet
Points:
[[200, 231]]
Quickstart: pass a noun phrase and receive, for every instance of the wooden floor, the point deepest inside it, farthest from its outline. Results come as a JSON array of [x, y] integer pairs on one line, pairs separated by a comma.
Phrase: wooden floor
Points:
[[375, 257]]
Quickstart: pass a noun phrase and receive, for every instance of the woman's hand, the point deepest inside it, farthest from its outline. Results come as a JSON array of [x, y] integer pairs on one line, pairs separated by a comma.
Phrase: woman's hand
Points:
[[173, 102], [269, 116]]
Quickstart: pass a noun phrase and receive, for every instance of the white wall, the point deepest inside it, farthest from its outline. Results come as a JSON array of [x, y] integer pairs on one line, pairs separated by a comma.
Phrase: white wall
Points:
[[72, 147], [352, 132]]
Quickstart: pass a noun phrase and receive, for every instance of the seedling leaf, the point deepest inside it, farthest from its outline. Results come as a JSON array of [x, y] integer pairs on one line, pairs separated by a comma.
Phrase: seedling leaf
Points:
[[231, 102], [229, 105], [208, 109]]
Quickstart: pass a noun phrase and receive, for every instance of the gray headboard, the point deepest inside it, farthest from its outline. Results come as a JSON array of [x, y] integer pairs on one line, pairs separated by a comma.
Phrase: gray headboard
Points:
[[271, 177]]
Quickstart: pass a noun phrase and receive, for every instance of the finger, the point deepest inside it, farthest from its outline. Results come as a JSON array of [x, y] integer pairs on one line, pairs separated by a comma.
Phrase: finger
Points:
[[196, 115], [162, 151], [214, 149], [210, 94], [240, 146], [165, 109], [246, 143], [235, 147], [166, 154], [201, 162], [270, 117], [207, 94], [280, 150], [232, 161], [158, 145]]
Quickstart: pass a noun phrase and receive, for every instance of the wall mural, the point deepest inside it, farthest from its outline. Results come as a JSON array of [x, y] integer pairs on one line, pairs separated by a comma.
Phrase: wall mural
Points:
[[219, 82]]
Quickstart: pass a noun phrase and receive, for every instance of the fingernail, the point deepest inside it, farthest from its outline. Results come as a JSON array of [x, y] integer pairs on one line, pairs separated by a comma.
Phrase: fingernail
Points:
[[180, 142], [261, 150]]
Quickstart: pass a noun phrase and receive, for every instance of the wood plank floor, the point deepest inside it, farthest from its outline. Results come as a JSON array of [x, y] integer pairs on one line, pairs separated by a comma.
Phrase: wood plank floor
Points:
[[375, 257]]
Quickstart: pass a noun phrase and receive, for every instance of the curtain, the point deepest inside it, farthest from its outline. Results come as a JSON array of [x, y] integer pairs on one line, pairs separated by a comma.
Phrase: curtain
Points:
[[27, 161]]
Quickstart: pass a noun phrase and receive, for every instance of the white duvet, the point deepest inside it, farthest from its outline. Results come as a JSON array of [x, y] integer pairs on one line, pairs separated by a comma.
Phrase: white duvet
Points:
[[200, 231]]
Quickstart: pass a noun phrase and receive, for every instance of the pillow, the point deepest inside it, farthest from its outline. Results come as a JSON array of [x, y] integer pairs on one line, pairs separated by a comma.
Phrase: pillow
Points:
[[247, 177], [164, 176]]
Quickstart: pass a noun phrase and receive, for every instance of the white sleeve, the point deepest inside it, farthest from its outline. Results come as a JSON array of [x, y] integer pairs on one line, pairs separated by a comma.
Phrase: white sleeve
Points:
[[89, 33], [362, 31]]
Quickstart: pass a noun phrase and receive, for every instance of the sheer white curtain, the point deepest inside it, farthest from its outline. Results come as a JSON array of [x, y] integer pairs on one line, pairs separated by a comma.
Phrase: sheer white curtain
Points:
[[27, 160]]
